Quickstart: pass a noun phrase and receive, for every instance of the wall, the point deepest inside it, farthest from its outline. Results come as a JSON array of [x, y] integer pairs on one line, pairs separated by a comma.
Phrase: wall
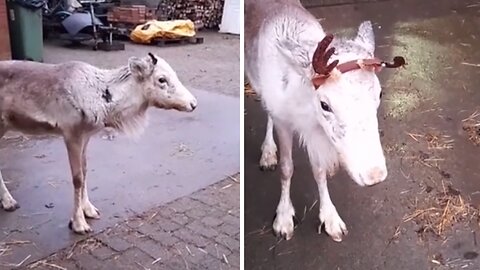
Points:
[[4, 35]]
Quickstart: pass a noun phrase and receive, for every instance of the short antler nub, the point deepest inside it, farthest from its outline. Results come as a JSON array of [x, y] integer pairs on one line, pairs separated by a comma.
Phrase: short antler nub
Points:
[[323, 70], [322, 55]]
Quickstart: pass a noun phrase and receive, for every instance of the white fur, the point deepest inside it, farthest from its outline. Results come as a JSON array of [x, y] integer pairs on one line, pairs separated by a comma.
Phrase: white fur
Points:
[[279, 69], [6, 198]]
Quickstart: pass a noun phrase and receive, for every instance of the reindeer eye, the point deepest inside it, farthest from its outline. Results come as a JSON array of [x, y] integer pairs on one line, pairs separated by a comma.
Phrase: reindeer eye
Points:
[[381, 94], [325, 106], [162, 80]]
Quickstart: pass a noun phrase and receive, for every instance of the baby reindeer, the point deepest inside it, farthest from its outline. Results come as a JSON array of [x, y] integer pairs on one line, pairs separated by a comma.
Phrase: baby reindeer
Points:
[[76, 100], [331, 105]]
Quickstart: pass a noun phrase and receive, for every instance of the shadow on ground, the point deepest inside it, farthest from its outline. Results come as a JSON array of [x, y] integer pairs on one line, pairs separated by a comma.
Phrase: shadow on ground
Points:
[[431, 157]]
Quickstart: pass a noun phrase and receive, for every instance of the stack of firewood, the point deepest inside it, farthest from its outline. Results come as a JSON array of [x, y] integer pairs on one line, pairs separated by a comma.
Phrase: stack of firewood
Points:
[[203, 13]]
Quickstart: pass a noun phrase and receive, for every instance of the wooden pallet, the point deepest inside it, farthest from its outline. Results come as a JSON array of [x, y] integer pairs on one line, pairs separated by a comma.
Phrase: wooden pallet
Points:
[[177, 41]]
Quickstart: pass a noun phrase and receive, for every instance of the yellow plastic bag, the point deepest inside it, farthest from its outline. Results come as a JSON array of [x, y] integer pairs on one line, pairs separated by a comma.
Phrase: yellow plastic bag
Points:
[[144, 33]]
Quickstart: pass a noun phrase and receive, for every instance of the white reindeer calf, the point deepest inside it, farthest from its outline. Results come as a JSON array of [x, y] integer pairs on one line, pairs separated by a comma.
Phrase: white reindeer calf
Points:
[[77, 100], [331, 105]]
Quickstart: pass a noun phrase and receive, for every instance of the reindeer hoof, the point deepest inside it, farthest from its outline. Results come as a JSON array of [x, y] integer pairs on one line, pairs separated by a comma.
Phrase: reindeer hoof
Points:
[[265, 168], [334, 225], [283, 226], [92, 213], [79, 228], [10, 205], [268, 161]]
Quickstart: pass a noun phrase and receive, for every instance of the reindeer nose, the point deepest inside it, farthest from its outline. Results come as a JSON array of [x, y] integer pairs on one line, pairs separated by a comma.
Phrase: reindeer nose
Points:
[[193, 105], [376, 175]]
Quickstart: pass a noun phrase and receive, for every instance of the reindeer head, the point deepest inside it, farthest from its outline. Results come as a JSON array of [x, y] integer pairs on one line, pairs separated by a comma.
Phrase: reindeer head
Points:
[[348, 95], [160, 84]]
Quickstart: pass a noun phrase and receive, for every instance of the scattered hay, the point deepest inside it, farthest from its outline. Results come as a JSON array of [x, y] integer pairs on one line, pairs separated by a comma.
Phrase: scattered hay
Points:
[[45, 263], [439, 213], [235, 178], [16, 243], [5, 250], [17, 265], [471, 64], [434, 139], [471, 125], [439, 141], [265, 230], [89, 245], [396, 148], [6, 247], [84, 246]]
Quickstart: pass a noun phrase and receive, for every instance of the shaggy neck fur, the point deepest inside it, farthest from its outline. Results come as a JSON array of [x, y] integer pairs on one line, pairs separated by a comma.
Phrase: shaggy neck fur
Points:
[[126, 111]]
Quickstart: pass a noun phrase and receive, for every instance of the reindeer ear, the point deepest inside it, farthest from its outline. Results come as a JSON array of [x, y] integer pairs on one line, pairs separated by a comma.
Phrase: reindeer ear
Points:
[[153, 58], [139, 68], [365, 37]]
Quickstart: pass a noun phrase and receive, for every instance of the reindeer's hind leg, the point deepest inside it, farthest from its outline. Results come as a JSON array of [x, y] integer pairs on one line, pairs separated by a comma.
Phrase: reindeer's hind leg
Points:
[[8, 203], [75, 143], [283, 223], [89, 209], [268, 161]]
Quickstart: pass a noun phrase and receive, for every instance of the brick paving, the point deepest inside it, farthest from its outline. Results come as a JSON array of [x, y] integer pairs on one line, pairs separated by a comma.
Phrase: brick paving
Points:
[[199, 231]]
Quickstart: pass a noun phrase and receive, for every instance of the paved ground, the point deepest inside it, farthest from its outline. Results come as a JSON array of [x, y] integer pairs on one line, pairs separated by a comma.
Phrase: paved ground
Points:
[[429, 154], [199, 231], [179, 153]]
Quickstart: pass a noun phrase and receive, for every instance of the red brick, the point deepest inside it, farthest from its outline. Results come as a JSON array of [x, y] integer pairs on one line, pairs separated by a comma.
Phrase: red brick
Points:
[[5, 53]]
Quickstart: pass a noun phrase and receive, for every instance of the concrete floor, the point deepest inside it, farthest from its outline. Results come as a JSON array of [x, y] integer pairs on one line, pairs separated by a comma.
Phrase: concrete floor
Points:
[[437, 90], [179, 153]]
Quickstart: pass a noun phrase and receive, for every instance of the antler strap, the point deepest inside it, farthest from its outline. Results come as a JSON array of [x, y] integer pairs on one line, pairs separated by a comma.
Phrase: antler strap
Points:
[[398, 61], [323, 70]]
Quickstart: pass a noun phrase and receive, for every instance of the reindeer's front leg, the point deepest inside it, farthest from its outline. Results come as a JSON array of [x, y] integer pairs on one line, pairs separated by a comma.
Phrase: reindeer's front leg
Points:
[[74, 145], [8, 203], [268, 161], [89, 209], [283, 224], [328, 215]]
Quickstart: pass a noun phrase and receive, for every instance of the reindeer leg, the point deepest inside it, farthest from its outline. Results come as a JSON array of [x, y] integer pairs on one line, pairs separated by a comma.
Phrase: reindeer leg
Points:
[[89, 209], [268, 161], [8, 203], [74, 145], [328, 214], [283, 223]]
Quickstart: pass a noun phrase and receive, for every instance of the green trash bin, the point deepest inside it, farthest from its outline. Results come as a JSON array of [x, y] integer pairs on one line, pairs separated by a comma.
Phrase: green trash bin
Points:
[[26, 31]]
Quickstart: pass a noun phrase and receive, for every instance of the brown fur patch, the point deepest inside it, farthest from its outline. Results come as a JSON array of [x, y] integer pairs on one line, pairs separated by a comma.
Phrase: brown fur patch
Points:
[[78, 181]]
